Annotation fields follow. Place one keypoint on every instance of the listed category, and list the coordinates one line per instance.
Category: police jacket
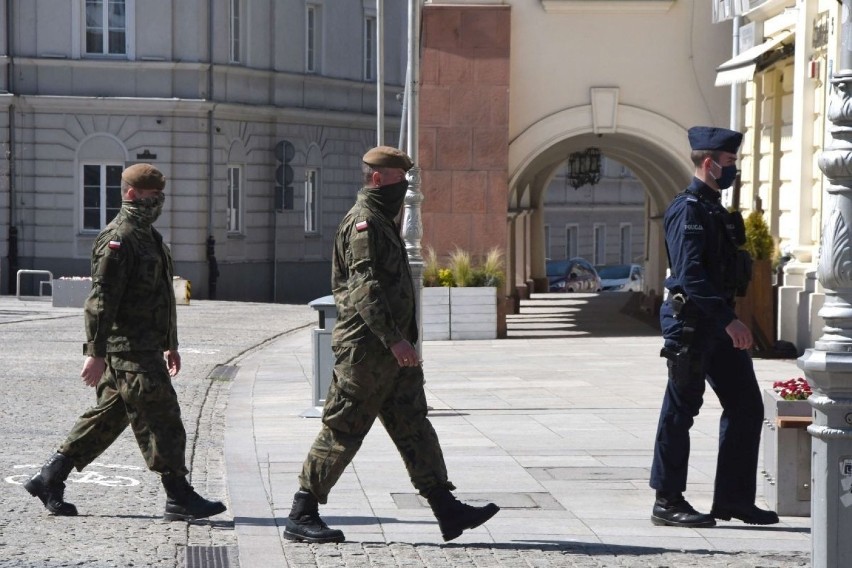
(700, 253)
(132, 304)
(370, 276)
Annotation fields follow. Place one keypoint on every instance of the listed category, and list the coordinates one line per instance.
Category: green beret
(387, 157)
(144, 176)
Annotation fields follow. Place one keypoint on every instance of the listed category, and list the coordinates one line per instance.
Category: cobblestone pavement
(119, 500)
(121, 503)
(363, 555)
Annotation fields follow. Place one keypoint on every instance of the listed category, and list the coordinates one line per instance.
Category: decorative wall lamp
(584, 168)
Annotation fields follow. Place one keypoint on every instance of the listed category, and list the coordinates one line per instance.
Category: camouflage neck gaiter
(144, 211)
(387, 199)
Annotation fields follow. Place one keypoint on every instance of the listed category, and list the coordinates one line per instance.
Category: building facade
(779, 80)
(603, 223)
(257, 112)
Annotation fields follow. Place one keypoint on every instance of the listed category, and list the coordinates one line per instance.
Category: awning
(741, 68)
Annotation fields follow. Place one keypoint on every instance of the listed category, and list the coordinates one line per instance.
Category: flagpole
(380, 73)
(412, 224)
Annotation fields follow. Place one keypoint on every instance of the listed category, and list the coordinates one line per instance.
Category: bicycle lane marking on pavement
(91, 476)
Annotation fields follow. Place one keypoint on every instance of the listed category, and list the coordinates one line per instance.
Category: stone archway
(651, 145)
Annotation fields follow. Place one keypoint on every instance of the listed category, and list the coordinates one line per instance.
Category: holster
(684, 364)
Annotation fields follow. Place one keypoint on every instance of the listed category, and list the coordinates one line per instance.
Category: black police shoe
(675, 511)
(750, 514)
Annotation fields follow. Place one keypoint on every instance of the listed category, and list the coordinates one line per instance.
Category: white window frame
(313, 38)
(312, 181)
(599, 244)
(370, 48)
(547, 241)
(572, 246)
(78, 31)
(81, 46)
(234, 205)
(626, 244)
(236, 15)
(102, 194)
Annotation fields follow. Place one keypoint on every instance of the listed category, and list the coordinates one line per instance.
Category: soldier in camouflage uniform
(377, 370)
(130, 323)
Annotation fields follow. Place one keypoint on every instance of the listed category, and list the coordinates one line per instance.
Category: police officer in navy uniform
(704, 341)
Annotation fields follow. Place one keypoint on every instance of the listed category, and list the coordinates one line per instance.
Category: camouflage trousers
(368, 383)
(136, 390)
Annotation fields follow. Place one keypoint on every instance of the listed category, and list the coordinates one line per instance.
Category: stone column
(828, 366)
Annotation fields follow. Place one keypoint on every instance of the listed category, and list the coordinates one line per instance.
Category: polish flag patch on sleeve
(361, 226)
(114, 245)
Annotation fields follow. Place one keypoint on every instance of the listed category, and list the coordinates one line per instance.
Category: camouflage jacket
(370, 277)
(132, 304)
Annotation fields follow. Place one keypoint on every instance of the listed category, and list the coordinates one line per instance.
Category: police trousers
(730, 373)
(367, 383)
(136, 390)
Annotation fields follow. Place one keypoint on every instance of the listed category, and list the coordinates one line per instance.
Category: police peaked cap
(714, 139)
(387, 157)
(144, 176)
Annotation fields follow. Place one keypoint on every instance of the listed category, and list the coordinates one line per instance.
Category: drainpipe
(212, 265)
(736, 93)
(736, 103)
(828, 366)
(12, 254)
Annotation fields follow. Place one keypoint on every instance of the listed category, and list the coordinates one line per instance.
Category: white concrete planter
(459, 313)
(473, 313)
(435, 313)
(786, 455)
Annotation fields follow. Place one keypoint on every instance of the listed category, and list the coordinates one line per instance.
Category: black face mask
(727, 177)
(388, 198)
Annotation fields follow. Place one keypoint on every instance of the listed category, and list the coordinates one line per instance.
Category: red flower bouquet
(793, 389)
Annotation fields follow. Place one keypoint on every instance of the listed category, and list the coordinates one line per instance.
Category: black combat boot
(455, 517)
(184, 504)
(305, 524)
(49, 485)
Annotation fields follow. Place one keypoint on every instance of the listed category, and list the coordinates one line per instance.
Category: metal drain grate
(223, 373)
(209, 556)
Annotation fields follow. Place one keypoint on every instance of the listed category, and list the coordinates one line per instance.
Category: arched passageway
(652, 146)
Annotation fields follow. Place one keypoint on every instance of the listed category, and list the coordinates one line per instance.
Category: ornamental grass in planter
(463, 294)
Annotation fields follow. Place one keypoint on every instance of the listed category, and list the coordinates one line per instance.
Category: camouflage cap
(387, 157)
(144, 176)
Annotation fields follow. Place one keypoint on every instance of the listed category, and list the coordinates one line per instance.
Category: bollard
(323, 364)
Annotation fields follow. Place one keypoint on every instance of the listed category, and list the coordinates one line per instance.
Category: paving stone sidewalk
(484, 394)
